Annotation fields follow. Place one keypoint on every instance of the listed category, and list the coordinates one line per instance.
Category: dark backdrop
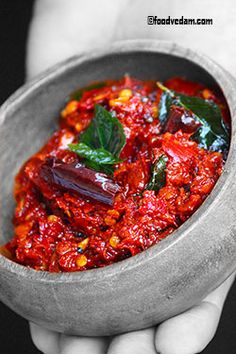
(14, 334)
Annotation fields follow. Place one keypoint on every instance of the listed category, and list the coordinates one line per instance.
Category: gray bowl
(156, 284)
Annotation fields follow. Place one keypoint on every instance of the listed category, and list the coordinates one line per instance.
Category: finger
(218, 296)
(46, 341)
(82, 345)
(62, 28)
(138, 342)
(190, 332)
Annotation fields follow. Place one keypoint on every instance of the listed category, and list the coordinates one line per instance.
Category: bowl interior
(31, 117)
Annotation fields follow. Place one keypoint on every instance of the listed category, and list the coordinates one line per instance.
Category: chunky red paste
(60, 230)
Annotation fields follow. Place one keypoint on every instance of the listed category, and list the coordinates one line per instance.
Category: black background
(14, 333)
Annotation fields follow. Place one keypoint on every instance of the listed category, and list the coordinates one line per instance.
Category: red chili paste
(60, 228)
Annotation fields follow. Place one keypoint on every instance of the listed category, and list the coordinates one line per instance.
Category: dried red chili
(79, 179)
(157, 179)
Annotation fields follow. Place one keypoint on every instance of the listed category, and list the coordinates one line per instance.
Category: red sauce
(59, 230)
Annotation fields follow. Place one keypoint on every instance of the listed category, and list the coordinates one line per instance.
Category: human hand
(60, 29)
(187, 333)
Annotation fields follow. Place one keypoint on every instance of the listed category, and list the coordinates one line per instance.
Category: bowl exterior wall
(150, 287)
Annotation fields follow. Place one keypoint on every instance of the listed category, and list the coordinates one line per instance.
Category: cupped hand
(187, 333)
(59, 29)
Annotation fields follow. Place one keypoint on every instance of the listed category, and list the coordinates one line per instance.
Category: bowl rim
(224, 81)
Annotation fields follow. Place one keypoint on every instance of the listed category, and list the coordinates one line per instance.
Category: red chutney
(60, 231)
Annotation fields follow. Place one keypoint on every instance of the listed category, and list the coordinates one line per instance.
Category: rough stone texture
(152, 286)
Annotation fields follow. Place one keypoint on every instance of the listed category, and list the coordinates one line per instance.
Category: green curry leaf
(212, 134)
(158, 176)
(101, 143)
(107, 169)
(100, 155)
(105, 131)
(164, 107)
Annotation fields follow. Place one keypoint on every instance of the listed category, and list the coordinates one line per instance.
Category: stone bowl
(160, 282)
